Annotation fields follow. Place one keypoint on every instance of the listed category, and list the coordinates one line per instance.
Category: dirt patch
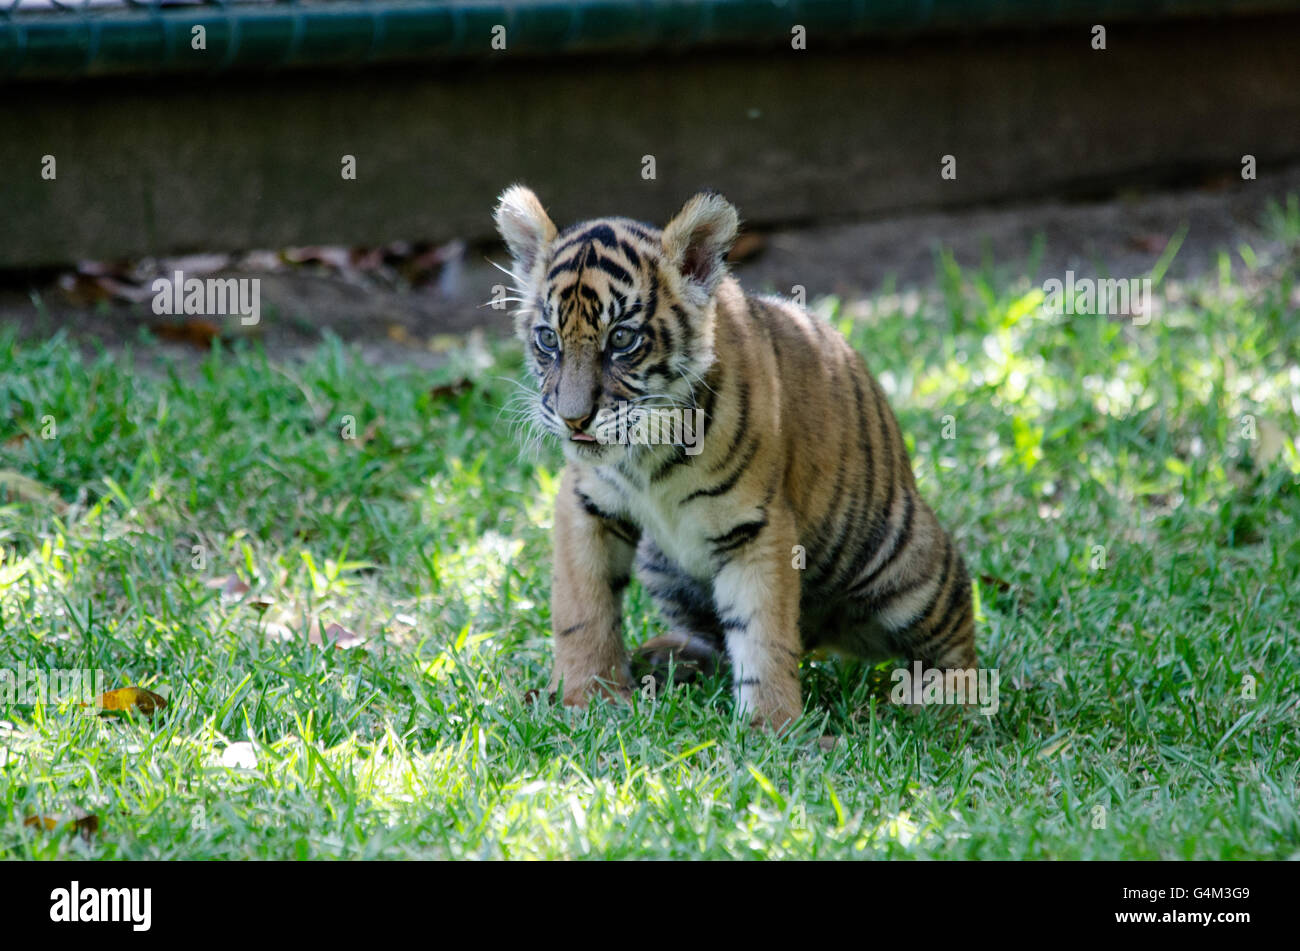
(392, 320)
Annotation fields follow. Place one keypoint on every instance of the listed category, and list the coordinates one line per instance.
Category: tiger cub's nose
(578, 423)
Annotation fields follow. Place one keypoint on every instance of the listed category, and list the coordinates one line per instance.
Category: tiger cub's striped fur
(800, 448)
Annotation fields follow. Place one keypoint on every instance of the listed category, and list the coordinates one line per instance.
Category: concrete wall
(169, 166)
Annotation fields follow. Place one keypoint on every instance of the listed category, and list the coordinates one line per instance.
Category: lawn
(1128, 497)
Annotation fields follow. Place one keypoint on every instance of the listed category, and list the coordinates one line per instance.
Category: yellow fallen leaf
(125, 699)
(82, 821)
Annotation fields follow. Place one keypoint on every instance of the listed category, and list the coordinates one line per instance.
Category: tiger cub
(793, 523)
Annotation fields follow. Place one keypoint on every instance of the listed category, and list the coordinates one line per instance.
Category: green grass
(1121, 686)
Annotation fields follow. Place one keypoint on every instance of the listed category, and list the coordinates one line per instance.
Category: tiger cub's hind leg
(694, 645)
(943, 633)
(917, 593)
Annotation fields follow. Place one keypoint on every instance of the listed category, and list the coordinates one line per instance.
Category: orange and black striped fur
(800, 454)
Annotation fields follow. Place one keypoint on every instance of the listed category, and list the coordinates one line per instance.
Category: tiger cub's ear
(525, 226)
(696, 242)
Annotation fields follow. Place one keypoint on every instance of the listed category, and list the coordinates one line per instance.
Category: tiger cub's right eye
(547, 339)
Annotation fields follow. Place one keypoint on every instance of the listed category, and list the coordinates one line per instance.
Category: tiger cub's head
(614, 314)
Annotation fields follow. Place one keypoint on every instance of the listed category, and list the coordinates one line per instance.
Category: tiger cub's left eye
(623, 338)
(547, 339)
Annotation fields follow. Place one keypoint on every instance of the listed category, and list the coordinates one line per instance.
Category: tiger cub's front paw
(583, 691)
(771, 710)
(778, 721)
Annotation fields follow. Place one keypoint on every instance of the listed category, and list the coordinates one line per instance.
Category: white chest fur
(681, 529)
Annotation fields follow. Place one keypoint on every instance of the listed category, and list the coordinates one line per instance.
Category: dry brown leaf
(193, 265)
(1150, 243)
(82, 822)
(339, 258)
(367, 259)
(994, 582)
(234, 587)
(234, 590)
(424, 266)
(194, 331)
(343, 638)
(261, 261)
(96, 281)
(82, 290)
(123, 291)
(450, 390)
(118, 269)
(290, 628)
